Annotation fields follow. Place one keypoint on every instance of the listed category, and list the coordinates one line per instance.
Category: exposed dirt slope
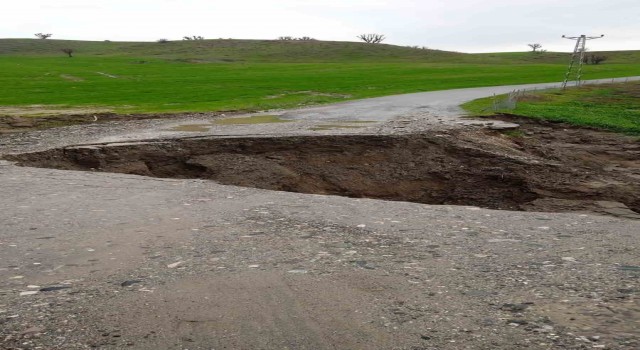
(544, 166)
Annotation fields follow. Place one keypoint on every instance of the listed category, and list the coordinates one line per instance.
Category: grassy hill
(230, 50)
(213, 75)
(220, 50)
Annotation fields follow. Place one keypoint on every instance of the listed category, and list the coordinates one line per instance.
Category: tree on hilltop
(371, 38)
(43, 36)
(534, 47)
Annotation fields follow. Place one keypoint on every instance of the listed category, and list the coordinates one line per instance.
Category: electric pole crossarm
(577, 57)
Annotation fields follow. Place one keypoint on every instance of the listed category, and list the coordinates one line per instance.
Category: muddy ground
(19, 124)
(102, 259)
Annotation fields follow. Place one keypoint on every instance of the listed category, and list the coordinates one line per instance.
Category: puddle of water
(629, 268)
(355, 121)
(256, 119)
(323, 127)
(192, 127)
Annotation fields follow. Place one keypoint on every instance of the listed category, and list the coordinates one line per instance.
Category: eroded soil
(540, 167)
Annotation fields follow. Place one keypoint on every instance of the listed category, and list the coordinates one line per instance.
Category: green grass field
(614, 107)
(223, 75)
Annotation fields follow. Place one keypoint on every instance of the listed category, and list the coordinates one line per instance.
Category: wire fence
(509, 102)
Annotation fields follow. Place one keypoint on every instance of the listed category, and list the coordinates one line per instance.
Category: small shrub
(162, 41)
(597, 59)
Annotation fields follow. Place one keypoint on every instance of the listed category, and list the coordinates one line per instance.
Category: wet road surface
(441, 103)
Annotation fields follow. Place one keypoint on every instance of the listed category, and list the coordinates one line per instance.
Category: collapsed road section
(541, 167)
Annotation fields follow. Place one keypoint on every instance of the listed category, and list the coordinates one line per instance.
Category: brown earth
(540, 167)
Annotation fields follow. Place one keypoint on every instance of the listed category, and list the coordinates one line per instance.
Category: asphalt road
(146, 263)
(441, 103)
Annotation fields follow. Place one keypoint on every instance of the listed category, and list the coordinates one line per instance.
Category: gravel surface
(116, 261)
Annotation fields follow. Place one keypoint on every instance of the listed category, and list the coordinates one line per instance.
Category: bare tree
(43, 36)
(285, 38)
(305, 38)
(193, 37)
(534, 47)
(162, 40)
(371, 38)
(68, 52)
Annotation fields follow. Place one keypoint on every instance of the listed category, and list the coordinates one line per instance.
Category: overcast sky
(458, 25)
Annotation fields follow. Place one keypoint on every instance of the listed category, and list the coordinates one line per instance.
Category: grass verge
(613, 107)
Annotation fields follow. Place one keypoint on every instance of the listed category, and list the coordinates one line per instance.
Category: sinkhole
(452, 168)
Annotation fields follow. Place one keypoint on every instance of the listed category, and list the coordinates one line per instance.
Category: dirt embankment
(542, 166)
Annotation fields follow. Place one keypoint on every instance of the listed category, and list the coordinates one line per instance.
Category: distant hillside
(231, 50)
(622, 57)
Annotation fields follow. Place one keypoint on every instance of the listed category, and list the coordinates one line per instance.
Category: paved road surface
(441, 103)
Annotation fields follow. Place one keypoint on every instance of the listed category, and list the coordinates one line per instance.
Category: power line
(578, 55)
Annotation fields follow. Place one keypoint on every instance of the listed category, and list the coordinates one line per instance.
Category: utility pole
(577, 57)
